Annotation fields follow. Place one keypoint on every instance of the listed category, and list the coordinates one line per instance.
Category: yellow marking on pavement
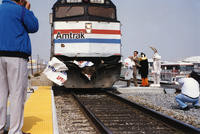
(38, 112)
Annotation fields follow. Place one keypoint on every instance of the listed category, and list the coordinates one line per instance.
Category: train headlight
(62, 45)
(97, 1)
(88, 27)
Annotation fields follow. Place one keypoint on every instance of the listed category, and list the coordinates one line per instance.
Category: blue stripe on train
(114, 41)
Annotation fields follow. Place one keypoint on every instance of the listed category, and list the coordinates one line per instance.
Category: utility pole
(31, 65)
(37, 63)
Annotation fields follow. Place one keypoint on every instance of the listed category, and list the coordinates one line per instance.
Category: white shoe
(155, 85)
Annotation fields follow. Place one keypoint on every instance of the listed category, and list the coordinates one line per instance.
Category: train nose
(96, 76)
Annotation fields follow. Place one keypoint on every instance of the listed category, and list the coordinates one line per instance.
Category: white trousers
(156, 78)
(128, 74)
(13, 83)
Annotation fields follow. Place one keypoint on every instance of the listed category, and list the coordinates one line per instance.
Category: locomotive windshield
(69, 11)
(64, 10)
(102, 12)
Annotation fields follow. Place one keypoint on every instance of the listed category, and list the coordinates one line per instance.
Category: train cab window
(62, 12)
(102, 12)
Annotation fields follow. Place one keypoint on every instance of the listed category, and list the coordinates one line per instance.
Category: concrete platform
(155, 90)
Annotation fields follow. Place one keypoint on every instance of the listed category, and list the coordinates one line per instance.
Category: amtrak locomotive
(86, 36)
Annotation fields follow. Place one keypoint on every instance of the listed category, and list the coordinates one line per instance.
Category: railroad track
(71, 119)
(115, 115)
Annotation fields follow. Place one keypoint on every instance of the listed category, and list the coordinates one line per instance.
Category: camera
(23, 2)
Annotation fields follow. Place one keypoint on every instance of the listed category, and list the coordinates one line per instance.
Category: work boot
(185, 109)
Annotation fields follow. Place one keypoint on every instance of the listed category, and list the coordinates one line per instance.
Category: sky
(171, 26)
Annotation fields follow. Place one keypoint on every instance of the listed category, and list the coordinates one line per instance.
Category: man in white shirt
(189, 92)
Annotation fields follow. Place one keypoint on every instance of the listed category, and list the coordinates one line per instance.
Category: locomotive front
(86, 36)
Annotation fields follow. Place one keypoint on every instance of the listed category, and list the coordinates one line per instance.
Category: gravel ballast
(166, 104)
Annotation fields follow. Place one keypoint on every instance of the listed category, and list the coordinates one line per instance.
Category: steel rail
(186, 128)
(102, 128)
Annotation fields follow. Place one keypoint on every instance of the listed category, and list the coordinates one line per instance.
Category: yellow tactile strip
(38, 112)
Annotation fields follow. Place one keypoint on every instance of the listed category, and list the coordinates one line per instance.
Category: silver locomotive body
(86, 36)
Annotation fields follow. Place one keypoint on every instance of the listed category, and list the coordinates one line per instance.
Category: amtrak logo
(70, 35)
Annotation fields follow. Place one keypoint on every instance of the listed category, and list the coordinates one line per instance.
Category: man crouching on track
(16, 21)
(189, 92)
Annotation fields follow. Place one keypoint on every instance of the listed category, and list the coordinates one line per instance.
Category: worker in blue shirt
(16, 22)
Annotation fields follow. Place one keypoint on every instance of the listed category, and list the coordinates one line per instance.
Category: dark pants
(135, 76)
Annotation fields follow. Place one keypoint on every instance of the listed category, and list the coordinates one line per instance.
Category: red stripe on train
(94, 31)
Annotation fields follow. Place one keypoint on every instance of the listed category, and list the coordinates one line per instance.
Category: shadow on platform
(29, 122)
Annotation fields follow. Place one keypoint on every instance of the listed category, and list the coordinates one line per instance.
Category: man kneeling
(189, 92)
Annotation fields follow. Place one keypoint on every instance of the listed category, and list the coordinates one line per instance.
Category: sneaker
(196, 107)
(185, 109)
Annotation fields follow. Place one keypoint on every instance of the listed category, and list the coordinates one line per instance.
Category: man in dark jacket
(16, 21)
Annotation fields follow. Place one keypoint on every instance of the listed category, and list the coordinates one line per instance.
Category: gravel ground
(165, 103)
(40, 81)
